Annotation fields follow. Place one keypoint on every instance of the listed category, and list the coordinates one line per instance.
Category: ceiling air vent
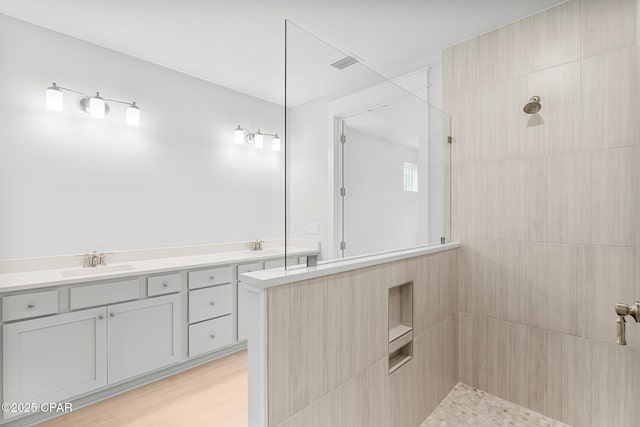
(345, 62)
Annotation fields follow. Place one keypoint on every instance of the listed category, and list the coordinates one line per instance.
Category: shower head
(533, 106)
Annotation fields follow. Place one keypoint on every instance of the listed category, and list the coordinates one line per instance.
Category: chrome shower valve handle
(623, 310)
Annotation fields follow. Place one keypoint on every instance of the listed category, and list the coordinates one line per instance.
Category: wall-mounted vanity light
(245, 136)
(96, 106)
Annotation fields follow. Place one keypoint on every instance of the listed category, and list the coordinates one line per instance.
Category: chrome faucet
(623, 310)
(256, 245)
(94, 259)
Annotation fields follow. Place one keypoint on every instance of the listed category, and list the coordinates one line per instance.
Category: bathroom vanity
(82, 334)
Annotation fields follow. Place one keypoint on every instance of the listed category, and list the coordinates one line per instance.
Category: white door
(144, 336)
(55, 358)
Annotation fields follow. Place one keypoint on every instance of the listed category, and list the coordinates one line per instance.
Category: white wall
(70, 183)
(379, 215)
(308, 165)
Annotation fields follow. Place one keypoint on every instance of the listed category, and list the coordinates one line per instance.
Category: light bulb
(133, 115)
(239, 135)
(54, 98)
(97, 107)
(275, 143)
(258, 140)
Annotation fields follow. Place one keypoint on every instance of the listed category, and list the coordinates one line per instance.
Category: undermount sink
(265, 252)
(91, 271)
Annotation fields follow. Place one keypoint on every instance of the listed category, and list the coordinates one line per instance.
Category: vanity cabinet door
(53, 359)
(144, 335)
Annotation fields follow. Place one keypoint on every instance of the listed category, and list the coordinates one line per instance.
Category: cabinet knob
(212, 303)
(31, 306)
(213, 336)
(101, 317)
(212, 277)
(165, 285)
(112, 314)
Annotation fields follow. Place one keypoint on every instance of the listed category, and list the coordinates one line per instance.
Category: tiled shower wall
(546, 207)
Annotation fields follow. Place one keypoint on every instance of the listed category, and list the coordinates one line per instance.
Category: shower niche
(400, 325)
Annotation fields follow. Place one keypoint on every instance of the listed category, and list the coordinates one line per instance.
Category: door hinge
(450, 140)
(343, 246)
(343, 191)
(343, 138)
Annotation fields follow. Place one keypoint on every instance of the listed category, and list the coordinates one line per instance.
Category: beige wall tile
(552, 287)
(403, 395)
(370, 329)
(511, 121)
(609, 111)
(537, 368)
(555, 129)
(511, 281)
(328, 346)
(473, 63)
(615, 193)
(338, 332)
(554, 36)
(615, 386)
(607, 25)
(472, 350)
(476, 217)
(475, 128)
(434, 286)
(610, 276)
(296, 378)
(507, 201)
(569, 390)
(507, 354)
(559, 198)
(512, 44)
(478, 276)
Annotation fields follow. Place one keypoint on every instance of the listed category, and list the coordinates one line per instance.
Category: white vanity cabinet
(68, 341)
(54, 358)
(143, 336)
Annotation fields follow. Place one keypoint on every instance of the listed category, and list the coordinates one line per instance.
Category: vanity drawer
(209, 303)
(209, 277)
(107, 293)
(210, 335)
(248, 268)
(29, 305)
(160, 285)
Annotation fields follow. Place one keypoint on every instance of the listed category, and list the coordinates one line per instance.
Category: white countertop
(54, 277)
(279, 276)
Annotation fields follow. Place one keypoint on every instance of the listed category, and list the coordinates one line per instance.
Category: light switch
(313, 228)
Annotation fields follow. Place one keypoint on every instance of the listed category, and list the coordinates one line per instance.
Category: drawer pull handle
(212, 303)
(213, 336)
(112, 314)
(212, 277)
(31, 306)
(165, 285)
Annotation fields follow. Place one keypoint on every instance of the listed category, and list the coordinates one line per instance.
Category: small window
(410, 174)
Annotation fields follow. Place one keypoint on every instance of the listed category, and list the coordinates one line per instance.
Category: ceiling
(239, 43)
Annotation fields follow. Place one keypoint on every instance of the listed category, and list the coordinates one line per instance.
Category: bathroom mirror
(368, 158)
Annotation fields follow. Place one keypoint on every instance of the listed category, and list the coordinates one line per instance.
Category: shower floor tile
(469, 406)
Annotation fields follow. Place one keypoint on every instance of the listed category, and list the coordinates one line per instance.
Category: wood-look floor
(211, 395)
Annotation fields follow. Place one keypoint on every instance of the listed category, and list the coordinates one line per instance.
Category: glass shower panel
(366, 157)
